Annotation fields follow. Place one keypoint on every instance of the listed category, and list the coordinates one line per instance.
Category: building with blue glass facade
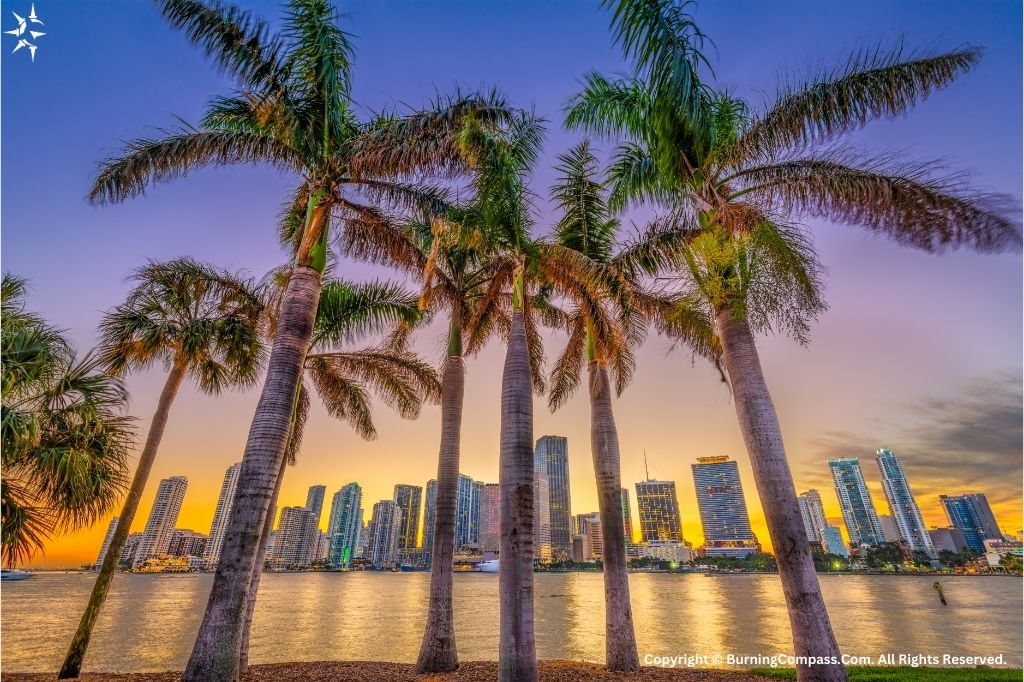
(723, 511)
(344, 525)
(971, 514)
(859, 514)
(902, 505)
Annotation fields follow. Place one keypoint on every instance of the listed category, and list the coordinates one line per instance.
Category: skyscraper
(467, 513)
(383, 532)
(162, 518)
(834, 542)
(813, 514)
(627, 516)
(723, 511)
(346, 519)
(106, 543)
(315, 502)
(186, 542)
(589, 526)
(902, 504)
(541, 506)
(553, 452)
(226, 500)
(971, 513)
(408, 499)
(296, 538)
(854, 499)
(490, 508)
(890, 531)
(429, 510)
(658, 508)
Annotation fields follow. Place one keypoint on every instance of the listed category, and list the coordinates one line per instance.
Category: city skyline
(927, 351)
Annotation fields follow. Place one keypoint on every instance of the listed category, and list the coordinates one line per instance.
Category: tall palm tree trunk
(215, 655)
(620, 640)
(517, 655)
(80, 643)
(808, 618)
(257, 572)
(438, 653)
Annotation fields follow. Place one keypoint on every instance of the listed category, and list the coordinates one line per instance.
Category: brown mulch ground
(476, 671)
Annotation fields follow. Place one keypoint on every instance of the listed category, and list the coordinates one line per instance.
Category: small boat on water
(407, 568)
(14, 574)
(490, 566)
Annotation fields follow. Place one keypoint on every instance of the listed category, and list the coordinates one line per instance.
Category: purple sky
(920, 353)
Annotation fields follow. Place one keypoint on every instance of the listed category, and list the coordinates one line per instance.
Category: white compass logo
(23, 28)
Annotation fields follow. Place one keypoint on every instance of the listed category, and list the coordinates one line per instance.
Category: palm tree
(200, 323)
(736, 180)
(604, 338)
(65, 438)
(344, 379)
(291, 111)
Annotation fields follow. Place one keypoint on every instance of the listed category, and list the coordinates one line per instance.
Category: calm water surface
(150, 621)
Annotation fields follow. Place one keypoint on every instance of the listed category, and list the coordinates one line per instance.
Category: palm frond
(567, 371)
(348, 312)
(584, 224)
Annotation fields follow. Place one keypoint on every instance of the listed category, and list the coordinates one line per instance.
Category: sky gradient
(918, 353)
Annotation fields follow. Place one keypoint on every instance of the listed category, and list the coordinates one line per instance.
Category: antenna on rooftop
(647, 474)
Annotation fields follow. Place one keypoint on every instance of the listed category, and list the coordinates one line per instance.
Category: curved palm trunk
(438, 652)
(80, 643)
(812, 632)
(218, 645)
(517, 655)
(620, 640)
(257, 572)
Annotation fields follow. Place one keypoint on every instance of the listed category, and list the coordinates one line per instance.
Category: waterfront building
(658, 509)
(552, 454)
(855, 501)
(362, 546)
(834, 542)
(186, 542)
(315, 502)
(723, 511)
(131, 545)
(813, 513)
(948, 539)
(106, 544)
(902, 504)
(295, 542)
(383, 532)
(627, 516)
(408, 499)
(890, 531)
(429, 510)
(589, 526)
(668, 551)
(971, 513)
(162, 518)
(997, 549)
(344, 524)
(467, 516)
(541, 506)
(490, 510)
(225, 502)
(581, 551)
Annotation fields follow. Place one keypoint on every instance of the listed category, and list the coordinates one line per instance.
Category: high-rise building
(490, 510)
(834, 542)
(408, 498)
(890, 531)
(467, 516)
(162, 518)
(315, 502)
(107, 539)
(723, 511)
(296, 539)
(552, 452)
(972, 514)
(589, 526)
(902, 504)
(541, 506)
(186, 542)
(383, 532)
(658, 509)
(854, 499)
(344, 524)
(429, 512)
(131, 545)
(627, 516)
(225, 502)
(813, 514)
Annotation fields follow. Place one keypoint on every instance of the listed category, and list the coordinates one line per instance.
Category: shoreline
(714, 573)
(550, 671)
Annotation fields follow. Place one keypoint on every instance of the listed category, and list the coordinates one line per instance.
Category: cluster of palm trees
(442, 194)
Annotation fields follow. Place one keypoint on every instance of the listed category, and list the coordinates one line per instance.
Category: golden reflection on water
(150, 622)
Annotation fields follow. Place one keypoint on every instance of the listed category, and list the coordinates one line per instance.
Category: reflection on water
(150, 621)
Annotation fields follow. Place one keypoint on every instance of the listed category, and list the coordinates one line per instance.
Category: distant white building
(385, 527)
(225, 502)
(107, 539)
(668, 550)
(162, 518)
(813, 513)
(902, 503)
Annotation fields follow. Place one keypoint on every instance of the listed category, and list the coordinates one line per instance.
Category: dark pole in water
(938, 588)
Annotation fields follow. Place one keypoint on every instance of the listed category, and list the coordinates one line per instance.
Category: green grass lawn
(883, 674)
